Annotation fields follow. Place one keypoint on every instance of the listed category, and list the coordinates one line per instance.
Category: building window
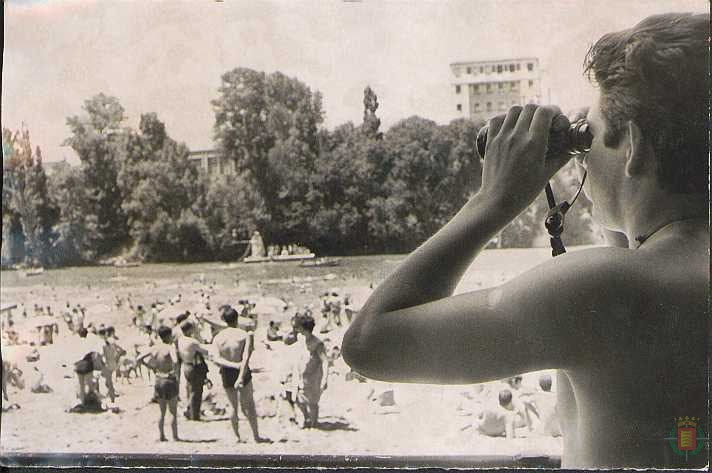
(482, 69)
(499, 68)
(459, 107)
(514, 85)
(477, 106)
(476, 88)
(511, 68)
(530, 66)
(457, 89)
(489, 87)
(519, 66)
(489, 106)
(469, 70)
(212, 165)
(531, 83)
(500, 86)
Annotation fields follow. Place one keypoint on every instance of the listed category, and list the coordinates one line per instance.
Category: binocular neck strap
(554, 221)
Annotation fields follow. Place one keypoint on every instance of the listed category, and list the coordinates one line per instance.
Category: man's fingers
(511, 119)
(525, 118)
(494, 126)
(541, 123)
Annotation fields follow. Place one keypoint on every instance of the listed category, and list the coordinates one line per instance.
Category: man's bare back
(619, 402)
(188, 347)
(230, 343)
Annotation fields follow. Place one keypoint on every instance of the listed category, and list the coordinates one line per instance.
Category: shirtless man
(545, 402)
(111, 353)
(626, 327)
(192, 357)
(231, 350)
(163, 359)
(499, 420)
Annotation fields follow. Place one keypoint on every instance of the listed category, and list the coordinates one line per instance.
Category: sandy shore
(425, 420)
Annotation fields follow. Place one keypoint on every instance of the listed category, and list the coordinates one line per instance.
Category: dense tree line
(351, 190)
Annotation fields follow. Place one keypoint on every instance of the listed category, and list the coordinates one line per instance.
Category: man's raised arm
(411, 330)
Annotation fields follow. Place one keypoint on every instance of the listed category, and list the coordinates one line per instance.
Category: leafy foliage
(351, 190)
(26, 196)
(97, 137)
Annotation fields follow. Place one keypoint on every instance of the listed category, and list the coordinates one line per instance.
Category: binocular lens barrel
(576, 139)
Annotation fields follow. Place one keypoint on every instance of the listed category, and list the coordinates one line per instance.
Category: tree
(97, 137)
(25, 188)
(268, 124)
(370, 121)
(77, 227)
(160, 189)
(433, 171)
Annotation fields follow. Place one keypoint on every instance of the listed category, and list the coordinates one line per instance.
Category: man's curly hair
(656, 74)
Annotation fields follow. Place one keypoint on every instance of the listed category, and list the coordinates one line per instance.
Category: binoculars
(573, 140)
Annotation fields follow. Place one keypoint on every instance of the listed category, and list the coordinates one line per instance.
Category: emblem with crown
(687, 438)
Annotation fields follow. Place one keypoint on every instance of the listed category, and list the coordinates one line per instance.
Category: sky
(167, 56)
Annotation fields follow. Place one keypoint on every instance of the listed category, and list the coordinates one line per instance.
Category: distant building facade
(212, 163)
(53, 167)
(482, 89)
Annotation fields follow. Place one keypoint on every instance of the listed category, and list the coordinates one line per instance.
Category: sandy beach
(424, 420)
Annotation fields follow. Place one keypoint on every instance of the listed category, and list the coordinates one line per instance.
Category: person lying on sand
(163, 360)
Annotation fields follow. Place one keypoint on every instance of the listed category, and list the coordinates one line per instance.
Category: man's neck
(650, 216)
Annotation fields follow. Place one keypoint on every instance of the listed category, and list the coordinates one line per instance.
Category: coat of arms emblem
(687, 438)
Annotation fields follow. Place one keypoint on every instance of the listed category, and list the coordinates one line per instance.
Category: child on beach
(163, 360)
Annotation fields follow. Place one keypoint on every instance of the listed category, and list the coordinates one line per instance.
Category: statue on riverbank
(257, 245)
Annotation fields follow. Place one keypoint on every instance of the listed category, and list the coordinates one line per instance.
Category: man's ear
(636, 158)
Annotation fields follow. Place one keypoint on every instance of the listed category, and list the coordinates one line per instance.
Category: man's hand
(516, 169)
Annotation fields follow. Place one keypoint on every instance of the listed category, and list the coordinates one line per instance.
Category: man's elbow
(368, 357)
(350, 349)
(356, 354)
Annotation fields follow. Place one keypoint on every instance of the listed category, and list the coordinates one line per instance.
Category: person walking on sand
(163, 359)
(231, 349)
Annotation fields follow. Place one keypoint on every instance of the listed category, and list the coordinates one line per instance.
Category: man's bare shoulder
(229, 334)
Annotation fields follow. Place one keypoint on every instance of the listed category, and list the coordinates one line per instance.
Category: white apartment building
(482, 89)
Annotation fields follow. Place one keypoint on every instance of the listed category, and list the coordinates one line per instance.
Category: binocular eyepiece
(574, 139)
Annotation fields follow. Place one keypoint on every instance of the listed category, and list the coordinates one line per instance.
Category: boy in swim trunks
(231, 350)
(164, 362)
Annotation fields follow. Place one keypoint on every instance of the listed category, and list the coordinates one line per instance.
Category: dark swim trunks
(229, 376)
(166, 388)
(86, 364)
